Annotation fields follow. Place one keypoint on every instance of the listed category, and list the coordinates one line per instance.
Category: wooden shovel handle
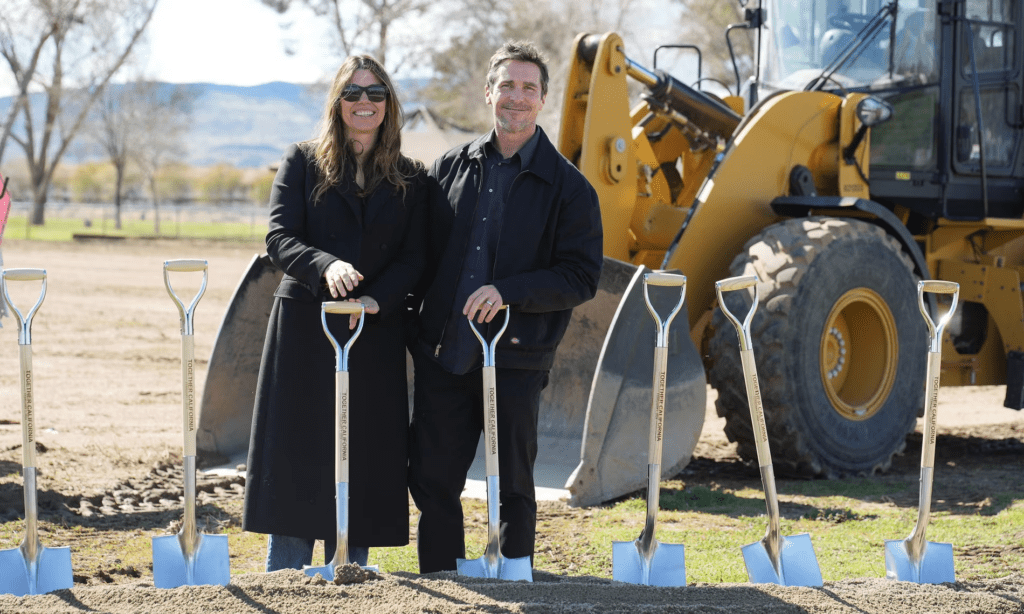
(664, 279)
(343, 307)
(936, 286)
(737, 283)
(185, 265)
(24, 274)
(490, 421)
(188, 393)
(28, 412)
(341, 429)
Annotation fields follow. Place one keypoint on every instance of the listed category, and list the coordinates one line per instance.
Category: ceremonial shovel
(189, 558)
(341, 450)
(646, 560)
(31, 569)
(775, 559)
(913, 559)
(492, 564)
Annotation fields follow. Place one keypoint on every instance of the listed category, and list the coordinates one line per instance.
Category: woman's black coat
(290, 482)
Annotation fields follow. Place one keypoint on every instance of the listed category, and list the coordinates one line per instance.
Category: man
(520, 227)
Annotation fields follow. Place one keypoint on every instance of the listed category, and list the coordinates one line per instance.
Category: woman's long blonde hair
(334, 155)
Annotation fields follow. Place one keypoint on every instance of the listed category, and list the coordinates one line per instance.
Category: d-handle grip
(489, 347)
(736, 283)
(185, 266)
(664, 279)
(24, 274)
(739, 283)
(936, 286)
(343, 307)
(24, 320)
(935, 329)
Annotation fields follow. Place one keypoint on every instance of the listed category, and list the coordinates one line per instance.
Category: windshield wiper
(856, 48)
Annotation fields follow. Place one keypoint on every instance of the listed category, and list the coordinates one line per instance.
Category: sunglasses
(375, 93)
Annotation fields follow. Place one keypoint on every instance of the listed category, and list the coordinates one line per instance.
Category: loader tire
(839, 343)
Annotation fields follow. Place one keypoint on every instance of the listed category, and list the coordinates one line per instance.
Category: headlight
(873, 111)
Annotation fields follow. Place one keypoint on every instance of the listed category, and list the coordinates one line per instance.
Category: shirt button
(472, 276)
(477, 248)
(490, 189)
(485, 219)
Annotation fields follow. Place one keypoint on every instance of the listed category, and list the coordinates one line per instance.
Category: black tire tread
(780, 256)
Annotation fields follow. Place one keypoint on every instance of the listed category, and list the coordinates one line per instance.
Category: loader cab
(942, 64)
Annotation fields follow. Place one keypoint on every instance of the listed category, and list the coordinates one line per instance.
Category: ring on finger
(489, 303)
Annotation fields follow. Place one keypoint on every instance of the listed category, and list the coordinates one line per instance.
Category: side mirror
(871, 111)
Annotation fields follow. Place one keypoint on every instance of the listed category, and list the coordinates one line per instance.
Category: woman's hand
(341, 278)
(369, 306)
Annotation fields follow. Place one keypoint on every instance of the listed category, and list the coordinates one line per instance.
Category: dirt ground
(106, 347)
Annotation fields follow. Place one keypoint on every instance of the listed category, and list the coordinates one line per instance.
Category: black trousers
(446, 427)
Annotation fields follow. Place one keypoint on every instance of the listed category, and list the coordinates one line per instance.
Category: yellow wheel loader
(878, 143)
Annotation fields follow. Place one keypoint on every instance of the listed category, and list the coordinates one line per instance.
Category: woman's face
(363, 115)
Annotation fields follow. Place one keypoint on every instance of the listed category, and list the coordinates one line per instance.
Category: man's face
(515, 97)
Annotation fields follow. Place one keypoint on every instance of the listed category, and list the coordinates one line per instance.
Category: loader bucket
(225, 415)
(613, 458)
(591, 430)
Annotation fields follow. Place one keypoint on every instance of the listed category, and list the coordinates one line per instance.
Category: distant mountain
(248, 127)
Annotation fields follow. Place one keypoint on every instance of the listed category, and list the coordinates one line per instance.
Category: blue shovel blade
(508, 569)
(53, 571)
(798, 561)
(210, 563)
(667, 567)
(935, 567)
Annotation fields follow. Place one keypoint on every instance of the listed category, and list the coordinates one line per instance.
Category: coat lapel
(377, 201)
(348, 195)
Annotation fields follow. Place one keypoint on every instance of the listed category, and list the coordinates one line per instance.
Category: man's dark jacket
(547, 261)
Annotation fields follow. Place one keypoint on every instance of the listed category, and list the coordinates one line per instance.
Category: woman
(347, 223)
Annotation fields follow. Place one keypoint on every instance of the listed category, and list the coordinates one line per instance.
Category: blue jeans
(286, 552)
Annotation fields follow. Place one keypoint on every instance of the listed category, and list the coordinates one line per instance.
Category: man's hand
(341, 278)
(369, 306)
(486, 300)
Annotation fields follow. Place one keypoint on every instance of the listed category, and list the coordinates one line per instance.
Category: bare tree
(25, 27)
(90, 41)
(367, 25)
(704, 24)
(141, 121)
(165, 113)
(457, 90)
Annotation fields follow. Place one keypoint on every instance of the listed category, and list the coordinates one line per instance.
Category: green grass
(713, 524)
(62, 229)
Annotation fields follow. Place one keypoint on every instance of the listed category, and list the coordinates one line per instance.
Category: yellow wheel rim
(859, 350)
